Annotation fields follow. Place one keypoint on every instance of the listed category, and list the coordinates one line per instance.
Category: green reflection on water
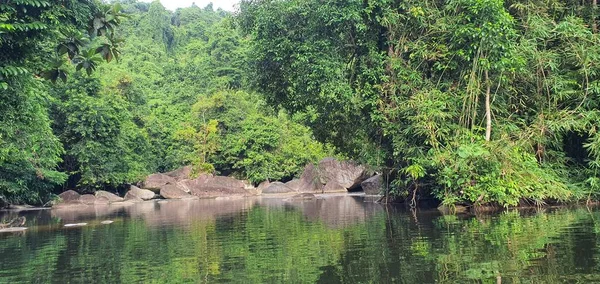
(282, 245)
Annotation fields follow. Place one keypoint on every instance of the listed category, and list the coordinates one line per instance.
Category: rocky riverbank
(328, 176)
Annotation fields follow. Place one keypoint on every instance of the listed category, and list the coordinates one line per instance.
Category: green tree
(491, 101)
(36, 39)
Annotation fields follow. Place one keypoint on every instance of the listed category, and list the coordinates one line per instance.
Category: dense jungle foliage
(469, 101)
(472, 101)
(97, 95)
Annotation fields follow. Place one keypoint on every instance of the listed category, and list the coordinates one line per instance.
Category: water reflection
(329, 240)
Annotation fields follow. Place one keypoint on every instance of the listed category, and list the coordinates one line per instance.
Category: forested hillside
(100, 109)
(468, 101)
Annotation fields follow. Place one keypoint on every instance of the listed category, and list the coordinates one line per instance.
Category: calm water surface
(331, 240)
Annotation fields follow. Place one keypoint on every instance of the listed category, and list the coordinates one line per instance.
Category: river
(334, 239)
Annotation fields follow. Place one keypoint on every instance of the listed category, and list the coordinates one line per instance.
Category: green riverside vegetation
(466, 101)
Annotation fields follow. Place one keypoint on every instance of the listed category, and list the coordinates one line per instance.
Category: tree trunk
(594, 11)
(488, 110)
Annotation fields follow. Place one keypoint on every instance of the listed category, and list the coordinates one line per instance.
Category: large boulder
(334, 186)
(129, 196)
(102, 200)
(188, 184)
(262, 186)
(277, 187)
(333, 173)
(70, 196)
(310, 181)
(88, 199)
(217, 186)
(373, 185)
(171, 191)
(110, 196)
(294, 184)
(143, 194)
(181, 173)
(346, 173)
(155, 182)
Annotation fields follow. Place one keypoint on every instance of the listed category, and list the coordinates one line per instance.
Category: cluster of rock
(329, 175)
(179, 185)
(101, 197)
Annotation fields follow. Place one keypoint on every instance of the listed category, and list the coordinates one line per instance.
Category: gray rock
(171, 191)
(334, 186)
(294, 184)
(143, 194)
(373, 185)
(155, 182)
(110, 196)
(88, 199)
(346, 173)
(188, 184)
(215, 186)
(310, 181)
(70, 196)
(277, 187)
(181, 173)
(102, 200)
(263, 185)
(129, 196)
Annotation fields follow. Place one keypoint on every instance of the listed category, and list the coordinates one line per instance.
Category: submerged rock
(75, 225)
